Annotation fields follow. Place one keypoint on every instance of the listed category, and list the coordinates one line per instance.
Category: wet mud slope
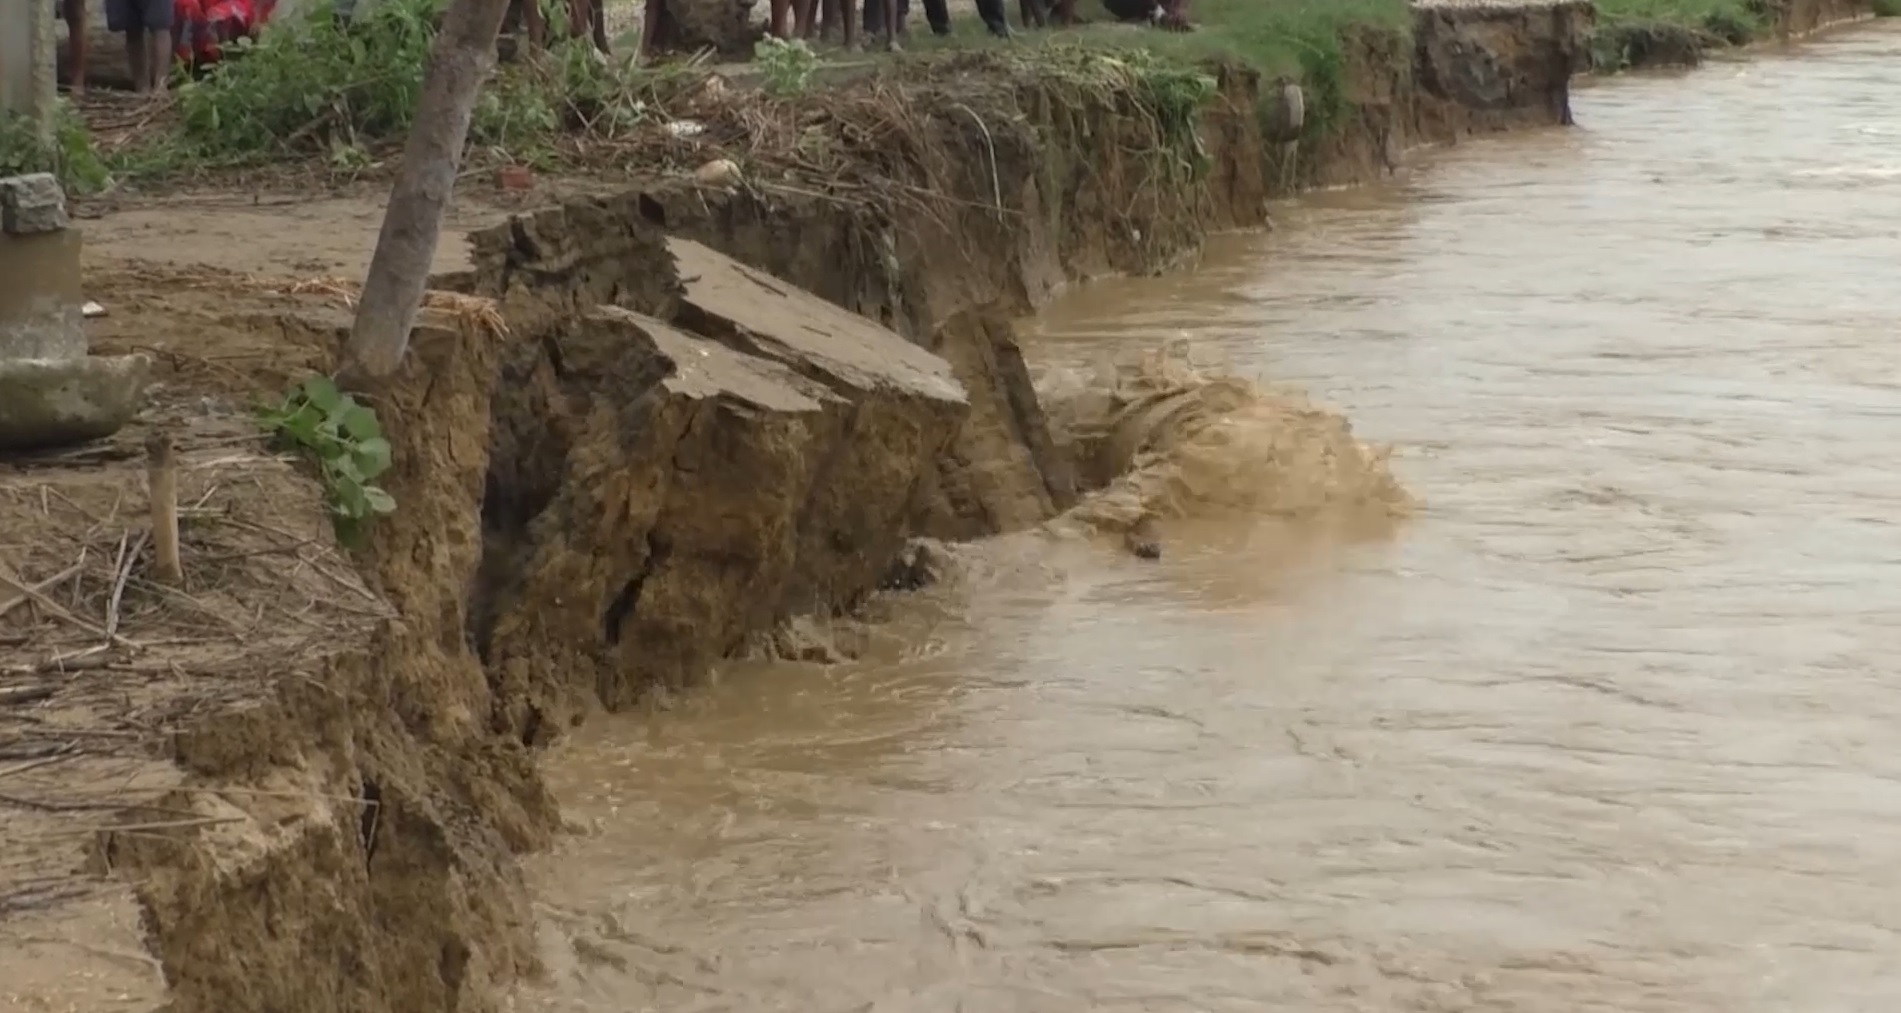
(646, 426)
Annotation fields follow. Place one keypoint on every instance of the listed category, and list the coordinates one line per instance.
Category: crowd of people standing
(194, 33)
(160, 32)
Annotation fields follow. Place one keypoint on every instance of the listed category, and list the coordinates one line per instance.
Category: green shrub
(345, 441)
(69, 154)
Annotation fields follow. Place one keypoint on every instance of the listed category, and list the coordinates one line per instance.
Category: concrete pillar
(28, 60)
(52, 393)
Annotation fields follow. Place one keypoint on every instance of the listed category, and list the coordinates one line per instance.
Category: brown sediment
(1157, 437)
(661, 454)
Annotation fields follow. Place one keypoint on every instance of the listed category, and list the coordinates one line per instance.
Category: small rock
(91, 310)
(1142, 540)
(718, 172)
(32, 204)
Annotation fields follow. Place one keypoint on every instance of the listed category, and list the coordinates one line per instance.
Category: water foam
(1158, 435)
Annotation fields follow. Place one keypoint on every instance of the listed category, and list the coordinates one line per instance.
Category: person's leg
(532, 22)
(123, 18)
(650, 30)
(937, 12)
(597, 18)
(893, 23)
(76, 44)
(1131, 10)
(135, 52)
(994, 18)
(158, 42)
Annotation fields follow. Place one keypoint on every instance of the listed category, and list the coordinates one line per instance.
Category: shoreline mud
(649, 422)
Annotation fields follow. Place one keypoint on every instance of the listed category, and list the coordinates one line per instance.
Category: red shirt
(204, 26)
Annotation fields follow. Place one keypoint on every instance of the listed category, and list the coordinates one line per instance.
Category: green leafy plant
(68, 153)
(345, 440)
(313, 82)
(1887, 8)
(346, 92)
(786, 67)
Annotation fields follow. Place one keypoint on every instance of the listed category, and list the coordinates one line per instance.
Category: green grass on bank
(312, 93)
(1635, 33)
(68, 153)
(1738, 20)
(1298, 39)
(1276, 36)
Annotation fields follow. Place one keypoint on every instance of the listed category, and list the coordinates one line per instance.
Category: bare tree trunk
(461, 59)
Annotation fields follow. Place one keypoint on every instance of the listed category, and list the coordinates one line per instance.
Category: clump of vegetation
(1635, 33)
(1171, 93)
(1887, 8)
(67, 154)
(785, 66)
(345, 441)
(312, 82)
(314, 85)
(1304, 40)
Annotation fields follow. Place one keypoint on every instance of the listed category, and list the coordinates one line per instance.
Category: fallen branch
(13, 696)
(122, 570)
(19, 599)
(59, 611)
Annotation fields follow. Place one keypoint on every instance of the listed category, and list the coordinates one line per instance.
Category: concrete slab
(58, 402)
(41, 309)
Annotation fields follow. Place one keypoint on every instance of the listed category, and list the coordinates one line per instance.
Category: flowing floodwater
(1611, 724)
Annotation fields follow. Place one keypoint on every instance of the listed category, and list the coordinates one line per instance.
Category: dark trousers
(937, 12)
(1131, 10)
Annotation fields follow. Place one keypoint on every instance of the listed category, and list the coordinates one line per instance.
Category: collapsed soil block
(656, 495)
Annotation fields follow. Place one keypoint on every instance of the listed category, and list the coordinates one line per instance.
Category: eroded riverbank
(1602, 730)
(351, 817)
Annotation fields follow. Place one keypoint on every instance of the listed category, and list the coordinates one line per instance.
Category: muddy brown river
(1614, 723)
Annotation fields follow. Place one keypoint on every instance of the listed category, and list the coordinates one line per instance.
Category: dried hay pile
(102, 664)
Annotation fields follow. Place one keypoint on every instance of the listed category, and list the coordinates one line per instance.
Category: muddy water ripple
(1610, 725)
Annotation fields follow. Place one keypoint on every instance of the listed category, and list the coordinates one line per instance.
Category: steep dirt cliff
(657, 452)
(1017, 184)
(317, 791)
